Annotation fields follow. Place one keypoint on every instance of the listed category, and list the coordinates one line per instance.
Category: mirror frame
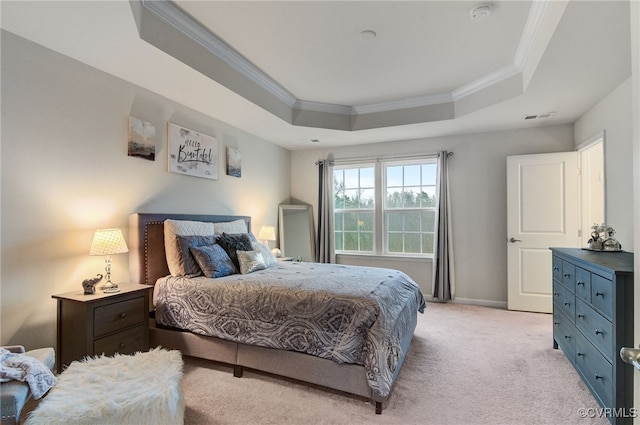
(282, 209)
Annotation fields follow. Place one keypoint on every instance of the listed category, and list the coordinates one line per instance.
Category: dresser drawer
(120, 315)
(126, 342)
(596, 370)
(569, 275)
(602, 294)
(596, 327)
(583, 284)
(557, 268)
(565, 300)
(564, 334)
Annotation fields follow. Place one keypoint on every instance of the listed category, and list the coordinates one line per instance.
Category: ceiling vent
(539, 116)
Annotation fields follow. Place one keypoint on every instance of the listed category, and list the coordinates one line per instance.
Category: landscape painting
(234, 162)
(142, 139)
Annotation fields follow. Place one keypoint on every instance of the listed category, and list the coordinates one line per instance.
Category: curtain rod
(385, 158)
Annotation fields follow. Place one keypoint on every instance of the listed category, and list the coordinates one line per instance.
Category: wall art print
(142, 139)
(192, 153)
(234, 162)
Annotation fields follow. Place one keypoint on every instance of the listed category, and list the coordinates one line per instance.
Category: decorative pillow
(213, 261)
(267, 255)
(250, 261)
(189, 264)
(236, 226)
(172, 228)
(232, 242)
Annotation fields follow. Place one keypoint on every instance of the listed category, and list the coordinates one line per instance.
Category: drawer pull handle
(567, 275)
(599, 294)
(599, 377)
(555, 294)
(580, 316)
(555, 269)
(122, 345)
(123, 315)
(579, 282)
(599, 332)
(567, 337)
(580, 354)
(567, 304)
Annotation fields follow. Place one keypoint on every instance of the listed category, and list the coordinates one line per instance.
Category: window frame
(380, 211)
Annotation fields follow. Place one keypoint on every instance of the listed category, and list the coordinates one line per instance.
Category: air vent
(539, 116)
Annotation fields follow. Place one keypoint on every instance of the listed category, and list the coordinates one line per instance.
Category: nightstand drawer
(597, 371)
(120, 315)
(596, 327)
(602, 293)
(127, 342)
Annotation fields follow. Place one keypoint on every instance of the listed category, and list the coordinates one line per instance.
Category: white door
(542, 212)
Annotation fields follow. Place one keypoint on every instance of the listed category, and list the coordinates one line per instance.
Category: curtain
(324, 242)
(443, 274)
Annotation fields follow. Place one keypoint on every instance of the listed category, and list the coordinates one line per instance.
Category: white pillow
(173, 228)
(237, 226)
(267, 255)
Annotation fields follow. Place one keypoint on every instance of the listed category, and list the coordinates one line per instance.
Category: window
(385, 208)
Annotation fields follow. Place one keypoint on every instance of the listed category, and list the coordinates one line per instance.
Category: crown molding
(173, 15)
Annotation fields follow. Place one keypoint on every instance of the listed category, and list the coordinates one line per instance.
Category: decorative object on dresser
(89, 285)
(90, 325)
(108, 242)
(602, 238)
(593, 320)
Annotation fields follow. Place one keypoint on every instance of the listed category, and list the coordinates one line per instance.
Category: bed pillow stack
(194, 248)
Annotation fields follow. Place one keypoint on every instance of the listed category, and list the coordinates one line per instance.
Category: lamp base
(110, 288)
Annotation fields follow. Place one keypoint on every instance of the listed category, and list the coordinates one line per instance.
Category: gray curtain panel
(324, 242)
(443, 273)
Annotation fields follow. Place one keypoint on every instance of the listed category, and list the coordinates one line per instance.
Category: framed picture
(234, 162)
(142, 139)
(192, 153)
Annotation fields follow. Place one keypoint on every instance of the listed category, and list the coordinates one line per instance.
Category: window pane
(394, 221)
(428, 220)
(412, 221)
(367, 177)
(350, 241)
(366, 222)
(412, 243)
(395, 242)
(367, 198)
(428, 196)
(394, 176)
(351, 198)
(394, 198)
(351, 178)
(427, 243)
(411, 197)
(350, 222)
(412, 175)
(366, 241)
(337, 221)
(338, 241)
(429, 173)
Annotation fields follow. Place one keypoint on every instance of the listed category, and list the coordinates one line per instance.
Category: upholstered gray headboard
(147, 259)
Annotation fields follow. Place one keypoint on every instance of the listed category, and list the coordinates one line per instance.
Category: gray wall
(478, 185)
(65, 173)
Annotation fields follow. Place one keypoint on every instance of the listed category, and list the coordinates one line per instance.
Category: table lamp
(267, 233)
(108, 242)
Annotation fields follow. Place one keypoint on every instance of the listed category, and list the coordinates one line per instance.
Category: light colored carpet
(467, 365)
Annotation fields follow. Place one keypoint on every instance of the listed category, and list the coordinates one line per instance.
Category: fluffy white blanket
(145, 388)
(22, 367)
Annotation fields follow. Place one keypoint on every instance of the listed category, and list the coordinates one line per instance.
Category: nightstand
(100, 323)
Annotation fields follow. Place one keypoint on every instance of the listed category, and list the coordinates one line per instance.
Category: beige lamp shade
(108, 242)
(267, 233)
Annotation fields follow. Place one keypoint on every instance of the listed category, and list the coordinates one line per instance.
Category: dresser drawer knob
(123, 315)
(122, 345)
(556, 323)
(599, 377)
(567, 337)
(580, 354)
(599, 294)
(580, 316)
(555, 294)
(599, 332)
(567, 275)
(579, 282)
(555, 269)
(567, 304)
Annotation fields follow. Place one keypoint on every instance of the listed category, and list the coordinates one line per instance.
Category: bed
(341, 327)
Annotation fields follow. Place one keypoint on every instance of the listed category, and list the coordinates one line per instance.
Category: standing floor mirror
(296, 232)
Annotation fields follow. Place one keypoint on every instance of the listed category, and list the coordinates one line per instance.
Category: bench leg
(237, 371)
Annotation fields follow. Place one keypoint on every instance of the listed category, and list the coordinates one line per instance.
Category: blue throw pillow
(213, 261)
(184, 243)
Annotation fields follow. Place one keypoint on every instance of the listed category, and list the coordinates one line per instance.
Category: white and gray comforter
(344, 313)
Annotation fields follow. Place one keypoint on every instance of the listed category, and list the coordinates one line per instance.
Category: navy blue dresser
(593, 319)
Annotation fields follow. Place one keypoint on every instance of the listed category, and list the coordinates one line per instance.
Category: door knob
(514, 240)
(631, 356)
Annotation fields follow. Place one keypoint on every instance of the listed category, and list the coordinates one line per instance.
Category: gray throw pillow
(213, 261)
(250, 261)
(232, 242)
(184, 243)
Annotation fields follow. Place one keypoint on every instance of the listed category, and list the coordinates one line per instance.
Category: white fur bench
(145, 388)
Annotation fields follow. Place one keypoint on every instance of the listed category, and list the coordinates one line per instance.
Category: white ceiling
(526, 58)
